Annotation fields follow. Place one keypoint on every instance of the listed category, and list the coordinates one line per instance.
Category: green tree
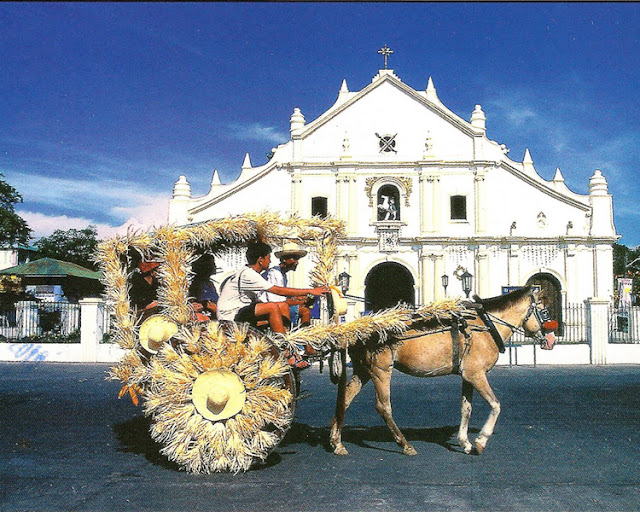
(74, 245)
(13, 228)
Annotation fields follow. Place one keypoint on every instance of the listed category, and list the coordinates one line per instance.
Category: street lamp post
(445, 283)
(343, 281)
(467, 282)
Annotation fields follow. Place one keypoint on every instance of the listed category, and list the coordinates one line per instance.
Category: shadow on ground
(134, 437)
(301, 433)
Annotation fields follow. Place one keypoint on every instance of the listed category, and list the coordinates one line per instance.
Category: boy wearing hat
(277, 275)
(239, 292)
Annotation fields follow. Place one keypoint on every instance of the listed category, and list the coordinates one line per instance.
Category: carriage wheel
(224, 403)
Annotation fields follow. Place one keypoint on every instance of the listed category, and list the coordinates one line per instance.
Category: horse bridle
(542, 316)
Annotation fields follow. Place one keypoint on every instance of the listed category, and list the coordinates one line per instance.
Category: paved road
(567, 439)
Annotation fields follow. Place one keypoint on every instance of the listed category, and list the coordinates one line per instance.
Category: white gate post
(91, 328)
(598, 329)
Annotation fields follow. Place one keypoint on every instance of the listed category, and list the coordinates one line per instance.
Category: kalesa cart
(221, 397)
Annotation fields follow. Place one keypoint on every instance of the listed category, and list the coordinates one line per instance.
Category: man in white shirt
(239, 293)
(277, 275)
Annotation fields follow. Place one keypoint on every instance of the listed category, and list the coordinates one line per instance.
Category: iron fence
(624, 324)
(32, 321)
(572, 327)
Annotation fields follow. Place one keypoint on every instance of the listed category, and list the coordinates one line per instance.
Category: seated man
(144, 287)
(277, 275)
(202, 289)
(239, 292)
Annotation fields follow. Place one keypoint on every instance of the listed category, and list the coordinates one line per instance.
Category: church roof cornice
(343, 104)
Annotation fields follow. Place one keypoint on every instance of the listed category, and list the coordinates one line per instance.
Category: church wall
(272, 195)
(535, 213)
(384, 111)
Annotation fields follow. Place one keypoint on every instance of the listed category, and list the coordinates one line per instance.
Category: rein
(538, 336)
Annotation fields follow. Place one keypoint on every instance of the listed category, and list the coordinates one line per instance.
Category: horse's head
(539, 326)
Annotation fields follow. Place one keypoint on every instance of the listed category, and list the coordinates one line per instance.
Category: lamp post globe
(467, 282)
(343, 280)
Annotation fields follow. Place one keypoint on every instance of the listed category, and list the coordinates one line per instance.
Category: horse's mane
(503, 301)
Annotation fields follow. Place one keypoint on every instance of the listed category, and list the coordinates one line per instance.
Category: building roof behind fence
(49, 267)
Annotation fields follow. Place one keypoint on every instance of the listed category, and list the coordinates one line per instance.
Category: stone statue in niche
(388, 203)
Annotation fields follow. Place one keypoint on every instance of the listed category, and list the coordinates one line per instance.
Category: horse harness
(460, 326)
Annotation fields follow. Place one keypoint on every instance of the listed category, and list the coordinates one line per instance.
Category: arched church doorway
(549, 295)
(387, 284)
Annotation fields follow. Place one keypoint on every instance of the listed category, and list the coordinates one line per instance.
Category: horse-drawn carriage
(221, 396)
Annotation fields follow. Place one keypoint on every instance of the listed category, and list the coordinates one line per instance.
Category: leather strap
(492, 329)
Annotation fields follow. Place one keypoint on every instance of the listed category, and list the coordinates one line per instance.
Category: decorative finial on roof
(527, 161)
(297, 122)
(598, 184)
(478, 119)
(247, 162)
(215, 180)
(182, 188)
(385, 51)
(558, 176)
(344, 92)
(431, 91)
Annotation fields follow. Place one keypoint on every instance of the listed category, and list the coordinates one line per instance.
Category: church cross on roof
(385, 51)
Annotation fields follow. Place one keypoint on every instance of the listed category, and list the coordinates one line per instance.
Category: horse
(469, 346)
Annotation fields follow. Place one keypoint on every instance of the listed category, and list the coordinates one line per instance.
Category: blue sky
(103, 106)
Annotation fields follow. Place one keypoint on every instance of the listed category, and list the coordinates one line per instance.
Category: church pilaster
(429, 203)
(480, 201)
(484, 285)
(352, 224)
(513, 265)
(296, 191)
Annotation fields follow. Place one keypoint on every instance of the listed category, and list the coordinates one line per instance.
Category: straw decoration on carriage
(245, 427)
(222, 398)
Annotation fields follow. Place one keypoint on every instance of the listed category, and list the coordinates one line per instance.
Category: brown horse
(432, 351)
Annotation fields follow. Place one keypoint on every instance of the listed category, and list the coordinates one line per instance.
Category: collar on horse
(488, 320)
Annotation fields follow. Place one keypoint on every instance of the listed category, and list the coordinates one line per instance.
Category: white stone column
(603, 276)
(91, 328)
(296, 192)
(426, 203)
(598, 329)
(428, 281)
(514, 266)
(571, 272)
(480, 202)
(422, 266)
(352, 224)
(436, 205)
(341, 198)
(438, 270)
(483, 285)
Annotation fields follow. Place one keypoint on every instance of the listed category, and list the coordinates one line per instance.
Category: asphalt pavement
(567, 439)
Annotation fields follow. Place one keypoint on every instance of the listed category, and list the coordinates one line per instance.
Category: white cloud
(257, 131)
(149, 213)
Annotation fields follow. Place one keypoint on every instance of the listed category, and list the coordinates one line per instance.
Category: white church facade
(424, 194)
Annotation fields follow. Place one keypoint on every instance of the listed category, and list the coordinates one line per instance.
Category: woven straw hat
(218, 394)
(155, 331)
(290, 250)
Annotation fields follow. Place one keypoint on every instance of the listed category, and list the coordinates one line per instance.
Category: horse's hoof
(479, 448)
(467, 447)
(340, 450)
(409, 450)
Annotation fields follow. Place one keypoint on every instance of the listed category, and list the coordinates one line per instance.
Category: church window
(319, 207)
(388, 203)
(458, 208)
